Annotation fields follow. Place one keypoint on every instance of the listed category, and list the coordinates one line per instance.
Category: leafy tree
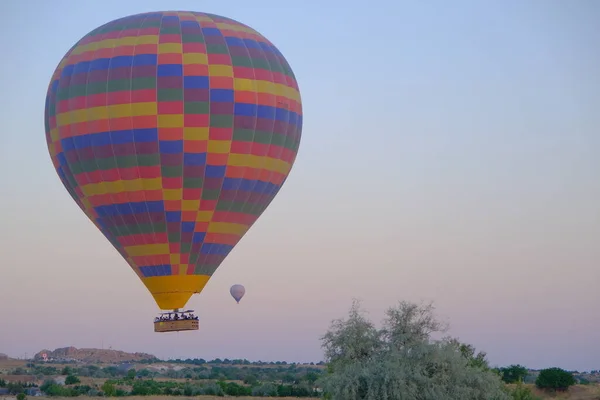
(401, 361)
(265, 390)
(251, 380)
(15, 387)
(213, 389)
(131, 374)
(513, 373)
(21, 396)
(145, 373)
(554, 379)
(108, 389)
(583, 381)
(66, 371)
(71, 380)
(311, 377)
(474, 358)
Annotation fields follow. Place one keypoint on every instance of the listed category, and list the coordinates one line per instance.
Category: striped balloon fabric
(173, 131)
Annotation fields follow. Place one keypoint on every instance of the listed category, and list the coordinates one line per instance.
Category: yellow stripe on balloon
(120, 186)
(103, 112)
(252, 161)
(111, 43)
(227, 228)
(147, 250)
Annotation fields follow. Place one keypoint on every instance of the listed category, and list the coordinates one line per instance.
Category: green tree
(131, 374)
(554, 379)
(66, 371)
(21, 396)
(108, 389)
(311, 377)
(251, 380)
(513, 373)
(474, 358)
(401, 360)
(71, 380)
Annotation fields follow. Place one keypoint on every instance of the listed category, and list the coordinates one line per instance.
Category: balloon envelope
(237, 292)
(173, 131)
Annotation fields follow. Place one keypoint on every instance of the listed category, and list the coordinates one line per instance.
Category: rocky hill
(92, 355)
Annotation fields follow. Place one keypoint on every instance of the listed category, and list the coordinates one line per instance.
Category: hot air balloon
(237, 292)
(173, 132)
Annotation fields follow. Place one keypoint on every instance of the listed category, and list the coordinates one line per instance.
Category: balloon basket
(176, 326)
(175, 321)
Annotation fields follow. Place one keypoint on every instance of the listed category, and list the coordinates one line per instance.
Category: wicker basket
(175, 326)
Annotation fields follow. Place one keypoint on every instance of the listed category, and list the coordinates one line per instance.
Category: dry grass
(169, 398)
(577, 392)
(11, 364)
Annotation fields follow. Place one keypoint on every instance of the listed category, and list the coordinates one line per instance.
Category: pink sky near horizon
(465, 171)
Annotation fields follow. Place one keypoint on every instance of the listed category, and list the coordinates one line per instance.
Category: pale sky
(450, 153)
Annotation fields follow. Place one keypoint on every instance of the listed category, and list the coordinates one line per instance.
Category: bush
(251, 380)
(401, 361)
(71, 380)
(233, 389)
(555, 379)
(21, 396)
(213, 389)
(109, 389)
(513, 373)
(522, 392)
(265, 390)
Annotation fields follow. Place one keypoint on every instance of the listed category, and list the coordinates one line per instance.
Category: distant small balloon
(237, 292)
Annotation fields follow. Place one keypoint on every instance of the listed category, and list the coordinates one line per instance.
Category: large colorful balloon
(237, 292)
(173, 131)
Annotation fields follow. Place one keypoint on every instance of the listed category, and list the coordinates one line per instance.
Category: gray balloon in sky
(237, 292)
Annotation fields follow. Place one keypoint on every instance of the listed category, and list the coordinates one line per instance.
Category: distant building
(4, 392)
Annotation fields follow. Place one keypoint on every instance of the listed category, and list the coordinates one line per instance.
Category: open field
(577, 392)
(167, 398)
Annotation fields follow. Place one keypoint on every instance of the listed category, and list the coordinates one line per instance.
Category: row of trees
(291, 373)
(226, 361)
(149, 387)
(550, 378)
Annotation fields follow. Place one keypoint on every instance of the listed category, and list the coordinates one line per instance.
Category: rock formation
(92, 355)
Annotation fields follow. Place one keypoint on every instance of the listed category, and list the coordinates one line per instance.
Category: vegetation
(402, 361)
(522, 392)
(71, 380)
(555, 379)
(513, 373)
(399, 360)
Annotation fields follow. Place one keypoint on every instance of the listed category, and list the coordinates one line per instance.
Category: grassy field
(577, 392)
(167, 398)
